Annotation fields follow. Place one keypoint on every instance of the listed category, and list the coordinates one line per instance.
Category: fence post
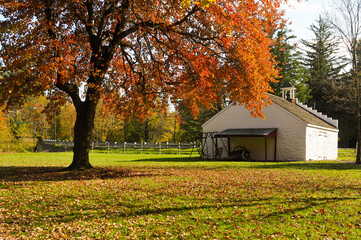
(356, 147)
(178, 148)
(160, 148)
(92, 147)
(135, 147)
(108, 147)
(124, 147)
(141, 148)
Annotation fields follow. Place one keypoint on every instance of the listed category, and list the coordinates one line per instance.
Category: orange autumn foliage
(138, 55)
(176, 49)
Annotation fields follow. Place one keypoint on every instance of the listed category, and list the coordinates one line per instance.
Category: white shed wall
(321, 143)
(291, 139)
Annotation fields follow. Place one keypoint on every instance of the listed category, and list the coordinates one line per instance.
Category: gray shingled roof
(246, 132)
(300, 112)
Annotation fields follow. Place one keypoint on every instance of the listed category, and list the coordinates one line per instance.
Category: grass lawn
(177, 197)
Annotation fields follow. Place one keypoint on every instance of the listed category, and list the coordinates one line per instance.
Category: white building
(290, 132)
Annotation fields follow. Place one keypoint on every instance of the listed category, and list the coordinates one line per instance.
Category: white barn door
(322, 148)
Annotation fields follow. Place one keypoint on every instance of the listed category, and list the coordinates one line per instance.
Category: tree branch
(89, 27)
(71, 89)
(185, 18)
(50, 18)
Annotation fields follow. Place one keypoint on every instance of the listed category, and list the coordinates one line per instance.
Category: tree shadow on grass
(18, 174)
(170, 159)
(130, 210)
(310, 203)
(309, 165)
(114, 214)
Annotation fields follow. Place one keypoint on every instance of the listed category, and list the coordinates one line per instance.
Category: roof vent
(288, 92)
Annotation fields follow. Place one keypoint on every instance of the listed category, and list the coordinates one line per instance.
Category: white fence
(134, 148)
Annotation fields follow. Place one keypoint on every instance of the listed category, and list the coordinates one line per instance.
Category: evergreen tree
(289, 63)
(191, 128)
(325, 67)
(329, 83)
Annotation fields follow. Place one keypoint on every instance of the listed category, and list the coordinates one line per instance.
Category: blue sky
(303, 14)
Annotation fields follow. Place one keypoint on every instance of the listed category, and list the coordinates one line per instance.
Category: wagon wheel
(245, 154)
(238, 149)
(242, 152)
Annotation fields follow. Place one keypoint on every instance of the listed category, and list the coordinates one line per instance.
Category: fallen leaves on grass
(180, 203)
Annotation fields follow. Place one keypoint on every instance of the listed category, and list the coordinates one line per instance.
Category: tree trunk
(83, 130)
(146, 130)
(356, 71)
(358, 112)
(125, 131)
(358, 147)
(358, 160)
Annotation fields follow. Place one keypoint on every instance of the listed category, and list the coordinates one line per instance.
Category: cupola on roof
(288, 91)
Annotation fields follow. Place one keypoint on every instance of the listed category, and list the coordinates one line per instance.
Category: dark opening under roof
(251, 132)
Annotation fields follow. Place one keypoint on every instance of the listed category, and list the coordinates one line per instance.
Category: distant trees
(347, 21)
(320, 73)
(30, 116)
(30, 121)
(66, 122)
(325, 65)
(16, 132)
(32, 113)
(328, 79)
(156, 128)
(5, 133)
(289, 62)
(191, 128)
(111, 126)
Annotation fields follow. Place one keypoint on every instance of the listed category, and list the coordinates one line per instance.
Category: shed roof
(300, 112)
(296, 109)
(288, 85)
(246, 132)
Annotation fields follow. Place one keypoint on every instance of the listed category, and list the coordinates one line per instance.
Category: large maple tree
(136, 55)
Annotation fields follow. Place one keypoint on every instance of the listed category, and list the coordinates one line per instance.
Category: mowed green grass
(177, 197)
